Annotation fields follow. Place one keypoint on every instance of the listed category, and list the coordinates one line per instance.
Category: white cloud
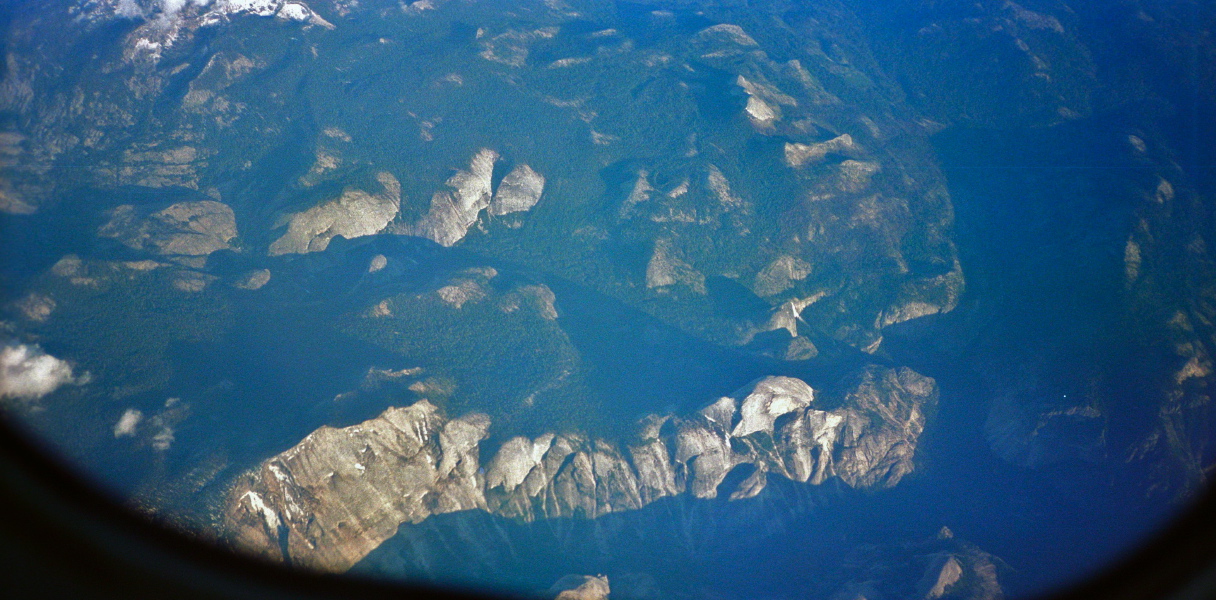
(163, 438)
(128, 422)
(28, 373)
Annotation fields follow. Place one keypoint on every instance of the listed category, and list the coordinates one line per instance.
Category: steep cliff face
(339, 493)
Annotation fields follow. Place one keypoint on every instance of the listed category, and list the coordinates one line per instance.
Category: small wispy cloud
(163, 438)
(29, 373)
(128, 422)
(156, 428)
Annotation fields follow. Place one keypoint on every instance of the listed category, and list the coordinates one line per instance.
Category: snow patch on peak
(294, 12)
(165, 21)
(262, 8)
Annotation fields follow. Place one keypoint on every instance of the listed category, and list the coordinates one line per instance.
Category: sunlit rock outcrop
(339, 493)
(453, 211)
(666, 268)
(764, 101)
(187, 228)
(581, 587)
(780, 275)
(771, 398)
(356, 213)
(511, 47)
(254, 280)
(519, 191)
(797, 155)
(158, 167)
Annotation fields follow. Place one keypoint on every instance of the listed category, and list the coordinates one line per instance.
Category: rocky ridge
(186, 229)
(339, 493)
